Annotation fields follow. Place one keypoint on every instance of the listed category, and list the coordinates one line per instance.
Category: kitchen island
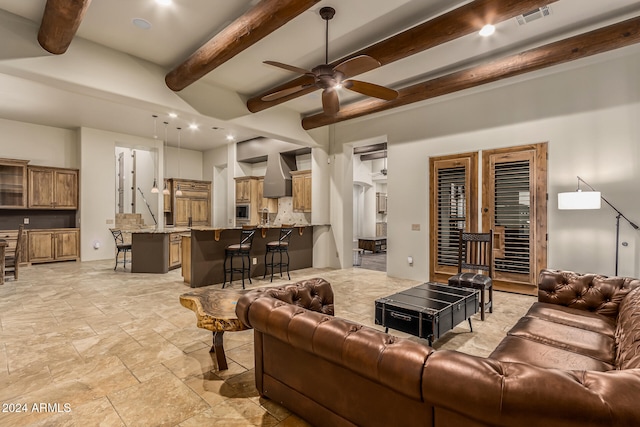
(156, 251)
(207, 245)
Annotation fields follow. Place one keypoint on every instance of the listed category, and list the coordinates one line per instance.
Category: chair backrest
(117, 236)
(285, 233)
(246, 236)
(19, 245)
(475, 252)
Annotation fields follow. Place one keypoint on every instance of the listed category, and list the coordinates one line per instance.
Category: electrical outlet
(415, 227)
(410, 260)
(25, 221)
(255, 260)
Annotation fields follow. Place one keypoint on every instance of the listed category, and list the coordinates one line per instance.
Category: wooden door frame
(469, 160)
(539, 178)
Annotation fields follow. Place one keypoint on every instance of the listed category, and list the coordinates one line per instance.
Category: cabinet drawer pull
(400, 316)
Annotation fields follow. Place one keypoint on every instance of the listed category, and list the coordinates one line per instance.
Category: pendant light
(178, 190)
(166, 191)
(154, 189)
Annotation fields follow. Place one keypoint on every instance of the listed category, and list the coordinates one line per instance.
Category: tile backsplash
(286, 215)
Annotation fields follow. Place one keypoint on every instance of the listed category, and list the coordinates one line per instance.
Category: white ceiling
(180, 28)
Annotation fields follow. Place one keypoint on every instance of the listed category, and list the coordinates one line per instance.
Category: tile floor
(82, 345)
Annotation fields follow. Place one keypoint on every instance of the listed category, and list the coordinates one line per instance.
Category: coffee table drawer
(398, 318)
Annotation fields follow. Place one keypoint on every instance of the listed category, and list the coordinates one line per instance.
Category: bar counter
(207, 245)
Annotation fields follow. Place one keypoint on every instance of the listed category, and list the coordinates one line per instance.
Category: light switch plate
(415, 227)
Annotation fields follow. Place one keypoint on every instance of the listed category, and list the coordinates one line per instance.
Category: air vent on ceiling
(525, 18)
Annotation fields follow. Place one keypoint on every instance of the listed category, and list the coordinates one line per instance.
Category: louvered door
(453, 205)
(514, 207)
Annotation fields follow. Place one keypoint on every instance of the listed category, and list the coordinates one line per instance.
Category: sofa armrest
(516, 394)
(313, 294)
(591, 292)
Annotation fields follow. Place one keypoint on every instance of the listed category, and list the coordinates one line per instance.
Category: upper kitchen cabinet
(13, 183)
(246, 187)
(53, 188)
(271, 205)
(301, 187)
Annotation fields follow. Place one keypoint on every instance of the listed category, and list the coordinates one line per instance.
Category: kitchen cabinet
(301, 188)
(381, 203)
(265, 203)
(13, 183)
(193, 207)
(244, 187)
(62, 244)
(53, 188)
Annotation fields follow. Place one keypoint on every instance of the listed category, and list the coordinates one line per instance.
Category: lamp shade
(579, 200)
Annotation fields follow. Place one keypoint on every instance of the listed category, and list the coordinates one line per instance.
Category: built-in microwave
(243, 212)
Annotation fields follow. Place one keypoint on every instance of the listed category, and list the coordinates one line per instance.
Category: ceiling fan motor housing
(327, 13)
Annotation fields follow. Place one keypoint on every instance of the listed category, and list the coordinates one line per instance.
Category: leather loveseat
(572, 360)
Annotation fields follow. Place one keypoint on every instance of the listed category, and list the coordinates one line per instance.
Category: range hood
(277, 178)
(281, 160)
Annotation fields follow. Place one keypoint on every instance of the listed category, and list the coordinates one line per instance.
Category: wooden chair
(121, 246)
(12, 259)
(475, 253)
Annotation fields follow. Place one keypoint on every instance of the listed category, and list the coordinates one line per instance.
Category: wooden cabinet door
(13, 183)
(243, 191)
(67, 244)
(65, 189)
(297, 184)
(182, 211)
(41, 188)
(199, 211)
(307, 193)
(41, 246)
(175, 250)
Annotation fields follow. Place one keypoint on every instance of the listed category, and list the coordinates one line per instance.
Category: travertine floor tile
(120, 350)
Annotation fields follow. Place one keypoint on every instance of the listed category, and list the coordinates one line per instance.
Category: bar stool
(242, 250)
(280, 246)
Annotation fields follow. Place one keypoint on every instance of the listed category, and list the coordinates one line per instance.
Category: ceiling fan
(329, 78)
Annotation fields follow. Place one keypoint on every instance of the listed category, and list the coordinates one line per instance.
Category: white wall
(589, 115)
(41, 145)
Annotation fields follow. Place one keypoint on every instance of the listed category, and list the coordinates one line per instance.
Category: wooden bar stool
(280, 246)
(242, 250)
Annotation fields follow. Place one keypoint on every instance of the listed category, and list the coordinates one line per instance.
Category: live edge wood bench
(215, 311)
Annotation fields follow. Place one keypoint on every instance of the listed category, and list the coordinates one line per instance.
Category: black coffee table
(428, 310)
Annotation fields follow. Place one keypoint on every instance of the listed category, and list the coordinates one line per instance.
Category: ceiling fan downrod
(327, 14)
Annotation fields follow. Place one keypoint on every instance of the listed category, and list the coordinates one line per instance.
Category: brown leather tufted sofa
(572, 360)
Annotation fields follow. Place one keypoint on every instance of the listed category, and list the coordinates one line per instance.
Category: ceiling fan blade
(288, 90)
(288, 67)
(357, 65)
(330, 102)
(371, 89)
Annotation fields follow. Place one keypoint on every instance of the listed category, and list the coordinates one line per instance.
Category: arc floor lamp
(591, 200)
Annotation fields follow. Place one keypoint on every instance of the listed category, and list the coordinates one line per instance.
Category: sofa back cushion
(590, 292)
(628, 332)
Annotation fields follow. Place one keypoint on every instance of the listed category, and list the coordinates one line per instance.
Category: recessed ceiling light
(487, 30)
(141, 23)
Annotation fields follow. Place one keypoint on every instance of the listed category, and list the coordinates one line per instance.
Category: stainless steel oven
(243, 213)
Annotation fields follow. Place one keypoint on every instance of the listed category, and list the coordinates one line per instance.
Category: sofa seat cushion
(535, 353)
(628, 332)
(573, 317)
(576, 340)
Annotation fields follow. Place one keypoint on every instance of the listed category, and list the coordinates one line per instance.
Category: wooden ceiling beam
(260, 21)
(464, 20)
(60, 22)
(604, 39)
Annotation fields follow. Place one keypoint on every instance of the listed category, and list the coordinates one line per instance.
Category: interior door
(453, 194)
(514, 202)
